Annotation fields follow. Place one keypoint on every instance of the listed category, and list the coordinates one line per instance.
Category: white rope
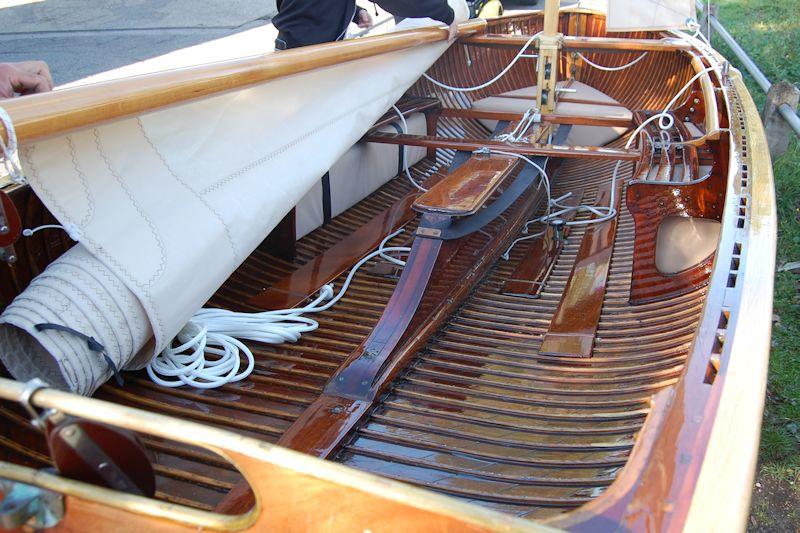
(530, 116)
(493, 80)
(664, 114)
(389, 258)
(545, 180)
(405, 152)
(73, 232)
(611, 69)
(10, 155)
(209, 354)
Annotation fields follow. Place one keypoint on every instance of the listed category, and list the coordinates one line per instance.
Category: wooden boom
(46, 115)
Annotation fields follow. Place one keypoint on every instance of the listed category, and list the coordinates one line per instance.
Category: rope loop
(10, 155)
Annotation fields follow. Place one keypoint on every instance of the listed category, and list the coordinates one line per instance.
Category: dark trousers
(284, 42)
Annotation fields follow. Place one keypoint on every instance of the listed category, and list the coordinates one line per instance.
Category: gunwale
(715, 431)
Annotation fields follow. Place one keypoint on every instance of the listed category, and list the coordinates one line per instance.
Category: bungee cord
(503, 72)
(611, 69)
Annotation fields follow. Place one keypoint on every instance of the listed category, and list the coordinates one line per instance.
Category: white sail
(643, 15)
(172, 202)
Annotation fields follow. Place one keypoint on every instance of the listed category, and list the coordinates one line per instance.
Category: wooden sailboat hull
(577, 406)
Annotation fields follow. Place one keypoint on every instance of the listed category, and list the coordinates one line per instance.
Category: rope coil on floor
(210, 350)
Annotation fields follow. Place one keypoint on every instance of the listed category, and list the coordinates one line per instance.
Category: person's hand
(25, 77)
(452, 32)
(364, 19)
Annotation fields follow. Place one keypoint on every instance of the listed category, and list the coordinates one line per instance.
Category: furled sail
(166, 205)
(642, 15)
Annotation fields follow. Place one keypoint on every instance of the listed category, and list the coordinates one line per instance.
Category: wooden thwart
(610, 121)
(548, 150)
(575, 322)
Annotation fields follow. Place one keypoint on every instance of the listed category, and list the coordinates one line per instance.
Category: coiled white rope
(10, 155)
(611, 69)
(519, 56)
(209, 354)
(405, 152)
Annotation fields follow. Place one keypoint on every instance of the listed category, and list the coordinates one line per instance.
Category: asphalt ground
(79, 38)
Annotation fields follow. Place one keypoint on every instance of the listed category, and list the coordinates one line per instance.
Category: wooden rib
(574, 325)
(464, 191)
(555, 118)
(584, 43)
(547, 150)
(528, 278)
(297, 286)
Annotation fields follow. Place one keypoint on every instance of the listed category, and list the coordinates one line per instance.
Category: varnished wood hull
(659, 422)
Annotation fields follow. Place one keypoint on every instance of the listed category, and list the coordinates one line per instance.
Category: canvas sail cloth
(643, 15)
(168, 204)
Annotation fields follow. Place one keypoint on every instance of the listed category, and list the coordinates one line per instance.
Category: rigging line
(611, 69)
(502, 73)
(405, 151)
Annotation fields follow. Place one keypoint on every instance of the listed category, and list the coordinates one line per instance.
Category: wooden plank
(306, 280)
(548, 150)
(528, 278)
(574, 324)
(555, 118)
(610, 44)
(466, 190)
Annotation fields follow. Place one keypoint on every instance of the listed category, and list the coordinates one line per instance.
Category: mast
(549, 44)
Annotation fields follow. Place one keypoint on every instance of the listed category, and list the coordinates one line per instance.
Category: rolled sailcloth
(80, 292)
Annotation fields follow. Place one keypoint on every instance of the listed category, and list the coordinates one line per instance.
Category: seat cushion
(579, 135)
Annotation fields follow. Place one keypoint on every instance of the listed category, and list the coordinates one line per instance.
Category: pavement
(80, 38)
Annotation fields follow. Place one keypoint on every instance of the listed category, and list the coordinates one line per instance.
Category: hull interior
(479, 413)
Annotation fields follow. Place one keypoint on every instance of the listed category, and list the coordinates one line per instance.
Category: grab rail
(709, 99)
